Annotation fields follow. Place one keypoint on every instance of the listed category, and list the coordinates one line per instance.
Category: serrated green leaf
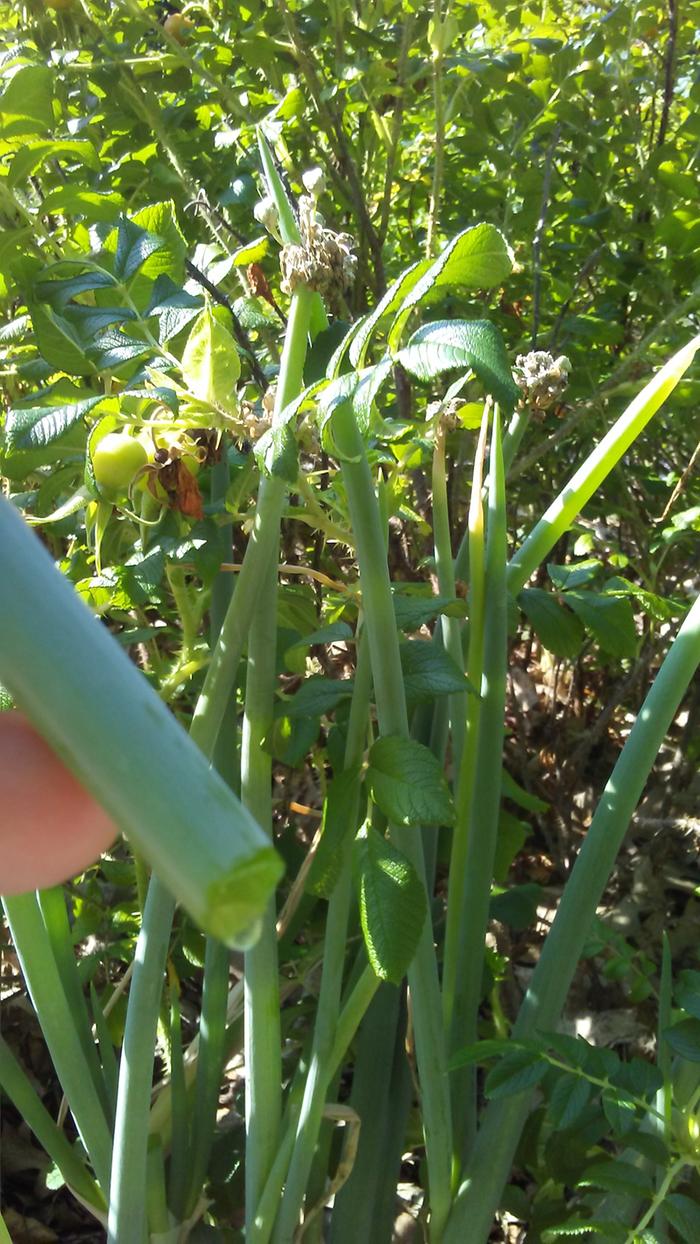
(338, 358)
(32, 155)
(33, 427)
(688, 992)
(649, 1145)
(407, 782)
(316, 696)
(134, 245)
(17, 464)
(567, 578)
(174, 308)
(276, 453)
(684, 1039)
(292, 740)
(339, 812)
(210, 362)
(322, 349)
(449, 345)
(53, 1180)
(429, 671)
(335, 632)
(657, 607)
(89, 321)
(58, 290)
(370, 381)
(193, 944)
(480, 1052)
(113, 348)
(556, 627)
(168, 260)
(143, 575)
(14, 329)
(59, 342)
(568, 1100)
(639, 1077)
(359, 388)
(610, 618)
(396, 294)
(684, 1216)
(611, 1231)
(573, 1049)
(99, 520)
(619, 1110)
(470, 415)
(617, 1175)
(252, 314)
(252, 252)
(26, 104)
(515, 1073)
(413, 610)
(93, 205)
(12, 243)
(393, 906)
(296, 608)
(477, 258)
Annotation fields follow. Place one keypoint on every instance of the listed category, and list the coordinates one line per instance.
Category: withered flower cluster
(324, 261)
(541, 377)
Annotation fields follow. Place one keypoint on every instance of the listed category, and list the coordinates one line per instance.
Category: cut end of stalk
(237, 900)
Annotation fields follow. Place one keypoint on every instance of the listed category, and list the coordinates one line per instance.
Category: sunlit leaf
(393, 907)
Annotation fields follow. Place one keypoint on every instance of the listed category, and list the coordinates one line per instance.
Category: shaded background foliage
(575, 132)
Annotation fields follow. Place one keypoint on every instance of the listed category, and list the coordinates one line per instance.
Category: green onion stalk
(482, 787)
(322, 1059)
(467, 768)
(488, 1169)
(262, 1018)
(393, 719)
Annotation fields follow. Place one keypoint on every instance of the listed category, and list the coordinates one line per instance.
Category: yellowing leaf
(252, 252)
(210, 363)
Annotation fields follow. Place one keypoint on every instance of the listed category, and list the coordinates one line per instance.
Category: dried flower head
(446, 411)
(252, 421)
(541, 377)
(324, 260)
(314, 180)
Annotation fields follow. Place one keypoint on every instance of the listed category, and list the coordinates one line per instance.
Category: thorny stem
(440, 19)
(397, 119)
(539, 235)
(341, 164)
